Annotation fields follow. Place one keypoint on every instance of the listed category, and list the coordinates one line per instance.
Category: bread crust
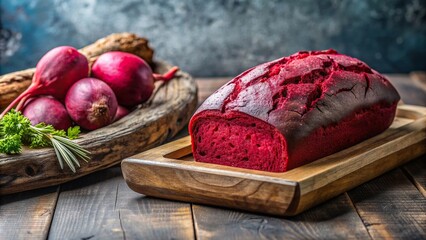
(310, 95)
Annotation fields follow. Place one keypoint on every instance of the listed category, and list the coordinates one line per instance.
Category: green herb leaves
(72, 132)
(10, 144)
(12, 128)
(16, 130)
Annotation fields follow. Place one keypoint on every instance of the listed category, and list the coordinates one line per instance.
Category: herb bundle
(16, 130)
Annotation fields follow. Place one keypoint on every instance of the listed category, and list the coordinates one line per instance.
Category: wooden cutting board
(170, 172)
(147, 126)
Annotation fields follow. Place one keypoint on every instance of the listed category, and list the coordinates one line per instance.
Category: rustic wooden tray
(147, 126)
(170, 172)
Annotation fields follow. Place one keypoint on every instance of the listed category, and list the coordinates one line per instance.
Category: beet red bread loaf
(292, 111)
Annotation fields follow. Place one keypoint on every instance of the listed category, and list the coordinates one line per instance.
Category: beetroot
(47, 110)
(121, 112)
(56, 71)
(91, 103)
(282, 114)
(129, 76)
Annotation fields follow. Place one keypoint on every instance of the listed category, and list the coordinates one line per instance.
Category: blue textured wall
(217, 38)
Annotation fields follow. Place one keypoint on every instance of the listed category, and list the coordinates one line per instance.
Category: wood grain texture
(105, 208)
(411, 88)
(416, 169)
(207, 86)
(391, 207)
(419, 80)
(335, 219)
(27, 215)
(123, 42)
(168, 172)
(416, 172)
(358, 177)
(218, 185)
(147, 126)
(267, 195)
(88, 212)
(150, 218)
(13, 84)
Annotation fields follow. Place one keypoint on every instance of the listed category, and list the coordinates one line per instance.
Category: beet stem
(21, 103)
(16, 101)
(166, 76)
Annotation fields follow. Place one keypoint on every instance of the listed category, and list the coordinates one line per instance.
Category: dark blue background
(219, 38)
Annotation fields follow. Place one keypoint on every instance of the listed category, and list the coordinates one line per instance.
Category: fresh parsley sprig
(16, 130)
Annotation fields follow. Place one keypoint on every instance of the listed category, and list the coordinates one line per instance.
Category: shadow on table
(22, 196)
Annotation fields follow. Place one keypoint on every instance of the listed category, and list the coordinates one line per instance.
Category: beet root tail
(169, 75)
(19, 100)
(21, 104)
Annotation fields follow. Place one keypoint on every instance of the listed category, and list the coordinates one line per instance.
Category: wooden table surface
(101, 206)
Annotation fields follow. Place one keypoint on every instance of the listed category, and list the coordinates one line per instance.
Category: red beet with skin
(91, 103)
(291, 111)
(56, 71)
(129, 76)
(47, 110)
(121, 112)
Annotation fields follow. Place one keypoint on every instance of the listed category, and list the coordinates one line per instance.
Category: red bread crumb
(291, 111)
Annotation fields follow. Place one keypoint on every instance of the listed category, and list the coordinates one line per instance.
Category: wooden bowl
(145, 127)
